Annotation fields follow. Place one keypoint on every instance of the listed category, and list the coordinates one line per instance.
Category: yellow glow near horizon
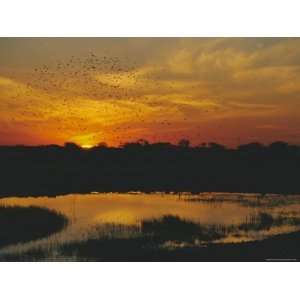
(87, 146)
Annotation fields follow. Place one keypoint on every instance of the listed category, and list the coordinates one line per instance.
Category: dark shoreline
(55, 170)
(283, 247)
(279, 248)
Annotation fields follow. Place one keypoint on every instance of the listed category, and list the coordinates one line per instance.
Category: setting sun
(87, 146)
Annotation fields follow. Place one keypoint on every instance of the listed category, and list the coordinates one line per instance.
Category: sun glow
(87, 146)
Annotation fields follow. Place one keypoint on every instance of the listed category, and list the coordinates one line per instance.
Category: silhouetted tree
(185, 143)
(102, 145)
(251, 147)
(215, 146)
(143, 142)
(72, 146)
(279, 146)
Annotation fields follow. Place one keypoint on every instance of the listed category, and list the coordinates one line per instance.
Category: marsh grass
(148, 240)
(265, 221)
(115, 230)
(263, 201)
(149, 245)
(171, 227)
(23, 224)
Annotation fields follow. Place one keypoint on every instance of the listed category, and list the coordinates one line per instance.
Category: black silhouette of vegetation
(23, 224)
(173, 228)
(147, 246)
(284, 246)
(148, 242)
(53, 170)
(261, 201)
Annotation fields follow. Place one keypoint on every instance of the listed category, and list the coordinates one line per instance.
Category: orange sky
(113, 90)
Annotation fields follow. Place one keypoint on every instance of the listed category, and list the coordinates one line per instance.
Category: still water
(93, 214)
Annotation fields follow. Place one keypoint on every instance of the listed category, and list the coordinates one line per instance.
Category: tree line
(144, 166)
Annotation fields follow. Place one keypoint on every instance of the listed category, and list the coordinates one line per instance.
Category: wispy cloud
(89, 89)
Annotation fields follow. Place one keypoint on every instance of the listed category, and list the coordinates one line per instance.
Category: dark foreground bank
(55, 170)
(23, 224)
(284, 247)
(281, 247)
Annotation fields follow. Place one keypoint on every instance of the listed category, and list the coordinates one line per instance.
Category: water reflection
(222, 217)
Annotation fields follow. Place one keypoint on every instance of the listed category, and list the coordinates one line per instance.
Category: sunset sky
(114, 90)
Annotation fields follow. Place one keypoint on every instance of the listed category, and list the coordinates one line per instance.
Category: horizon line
(144, 142)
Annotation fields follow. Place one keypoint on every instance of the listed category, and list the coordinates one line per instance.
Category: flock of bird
(53, 90)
